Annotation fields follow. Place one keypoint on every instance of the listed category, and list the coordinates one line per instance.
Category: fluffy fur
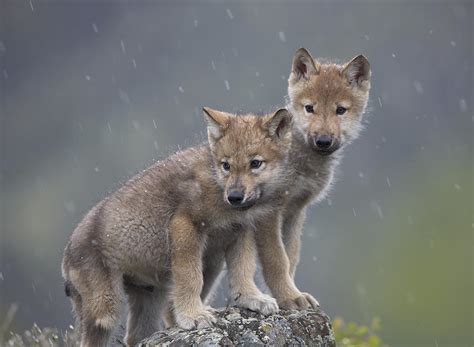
(160, 240)
(321, 89)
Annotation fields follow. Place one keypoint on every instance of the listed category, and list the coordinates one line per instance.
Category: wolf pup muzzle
(325, 144)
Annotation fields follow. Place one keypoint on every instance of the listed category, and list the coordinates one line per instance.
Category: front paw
(199, 319)
(314, 303)
(261, 303)
(303, 301)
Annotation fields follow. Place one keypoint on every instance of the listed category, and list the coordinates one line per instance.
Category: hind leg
(76, 301)
(145, 307)
(102, 301)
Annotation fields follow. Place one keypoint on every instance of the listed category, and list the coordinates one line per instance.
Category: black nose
(324, 141)
(235, 197)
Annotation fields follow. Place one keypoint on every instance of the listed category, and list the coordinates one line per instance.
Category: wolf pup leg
(186, 269)
(145, 306)
(241, 265)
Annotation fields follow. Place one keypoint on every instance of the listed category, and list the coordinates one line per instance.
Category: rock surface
(240, 327)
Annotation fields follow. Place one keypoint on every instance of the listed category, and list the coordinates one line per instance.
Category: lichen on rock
(241, 327)
(234, 327)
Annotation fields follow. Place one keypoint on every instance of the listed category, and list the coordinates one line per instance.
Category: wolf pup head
(328, 100)
(249, 154)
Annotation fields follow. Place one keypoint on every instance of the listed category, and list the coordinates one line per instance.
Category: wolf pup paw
(301, 302)
(261, 303)
(314, 303)
(200, 319)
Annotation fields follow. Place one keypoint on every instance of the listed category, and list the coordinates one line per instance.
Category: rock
(241, 327)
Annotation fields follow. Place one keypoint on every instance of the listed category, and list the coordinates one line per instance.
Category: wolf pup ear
(279, 124)
(357, 71)
(217, 122)
(303, 65)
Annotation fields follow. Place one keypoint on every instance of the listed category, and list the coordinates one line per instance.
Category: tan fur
(325, 87)
(164, 235)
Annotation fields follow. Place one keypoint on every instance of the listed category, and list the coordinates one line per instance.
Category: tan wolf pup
(327, 102)
(164, 234)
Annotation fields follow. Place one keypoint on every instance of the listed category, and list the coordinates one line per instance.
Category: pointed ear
(304, 65)
(279, 124)
(217, 122)
(357, 71)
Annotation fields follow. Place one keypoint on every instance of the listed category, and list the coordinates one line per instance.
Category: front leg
(276, 265)
(292, 227)
(186, 267)
(241, 258)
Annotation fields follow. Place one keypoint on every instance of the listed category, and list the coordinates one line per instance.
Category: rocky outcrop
(240, 327)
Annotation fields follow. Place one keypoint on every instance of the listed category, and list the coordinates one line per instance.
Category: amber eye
(309, 108)
(225, 166)
(340, 110)
(255, 164)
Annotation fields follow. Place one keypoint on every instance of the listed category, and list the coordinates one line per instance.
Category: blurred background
(93, 92)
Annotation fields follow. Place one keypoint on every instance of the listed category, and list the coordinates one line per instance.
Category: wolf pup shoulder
(147, 242)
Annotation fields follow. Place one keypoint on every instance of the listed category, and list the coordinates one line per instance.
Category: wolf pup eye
(340, 110)
(255, 164)
(225, 166)
(309, 108)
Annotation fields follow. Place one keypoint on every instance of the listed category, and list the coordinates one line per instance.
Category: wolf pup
(327, 102)
(148, 240)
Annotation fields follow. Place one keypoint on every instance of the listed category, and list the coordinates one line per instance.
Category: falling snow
(124, 96)
(122, 45)
(377, 208)
(31, 6)
(418, 87)
(227, 85)
(462, 105)
(181, 89)
(367, 37)
(457, 186)
(453, 43)
(282, 36)
(154, 124)
(95, 28)
(229, 13)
